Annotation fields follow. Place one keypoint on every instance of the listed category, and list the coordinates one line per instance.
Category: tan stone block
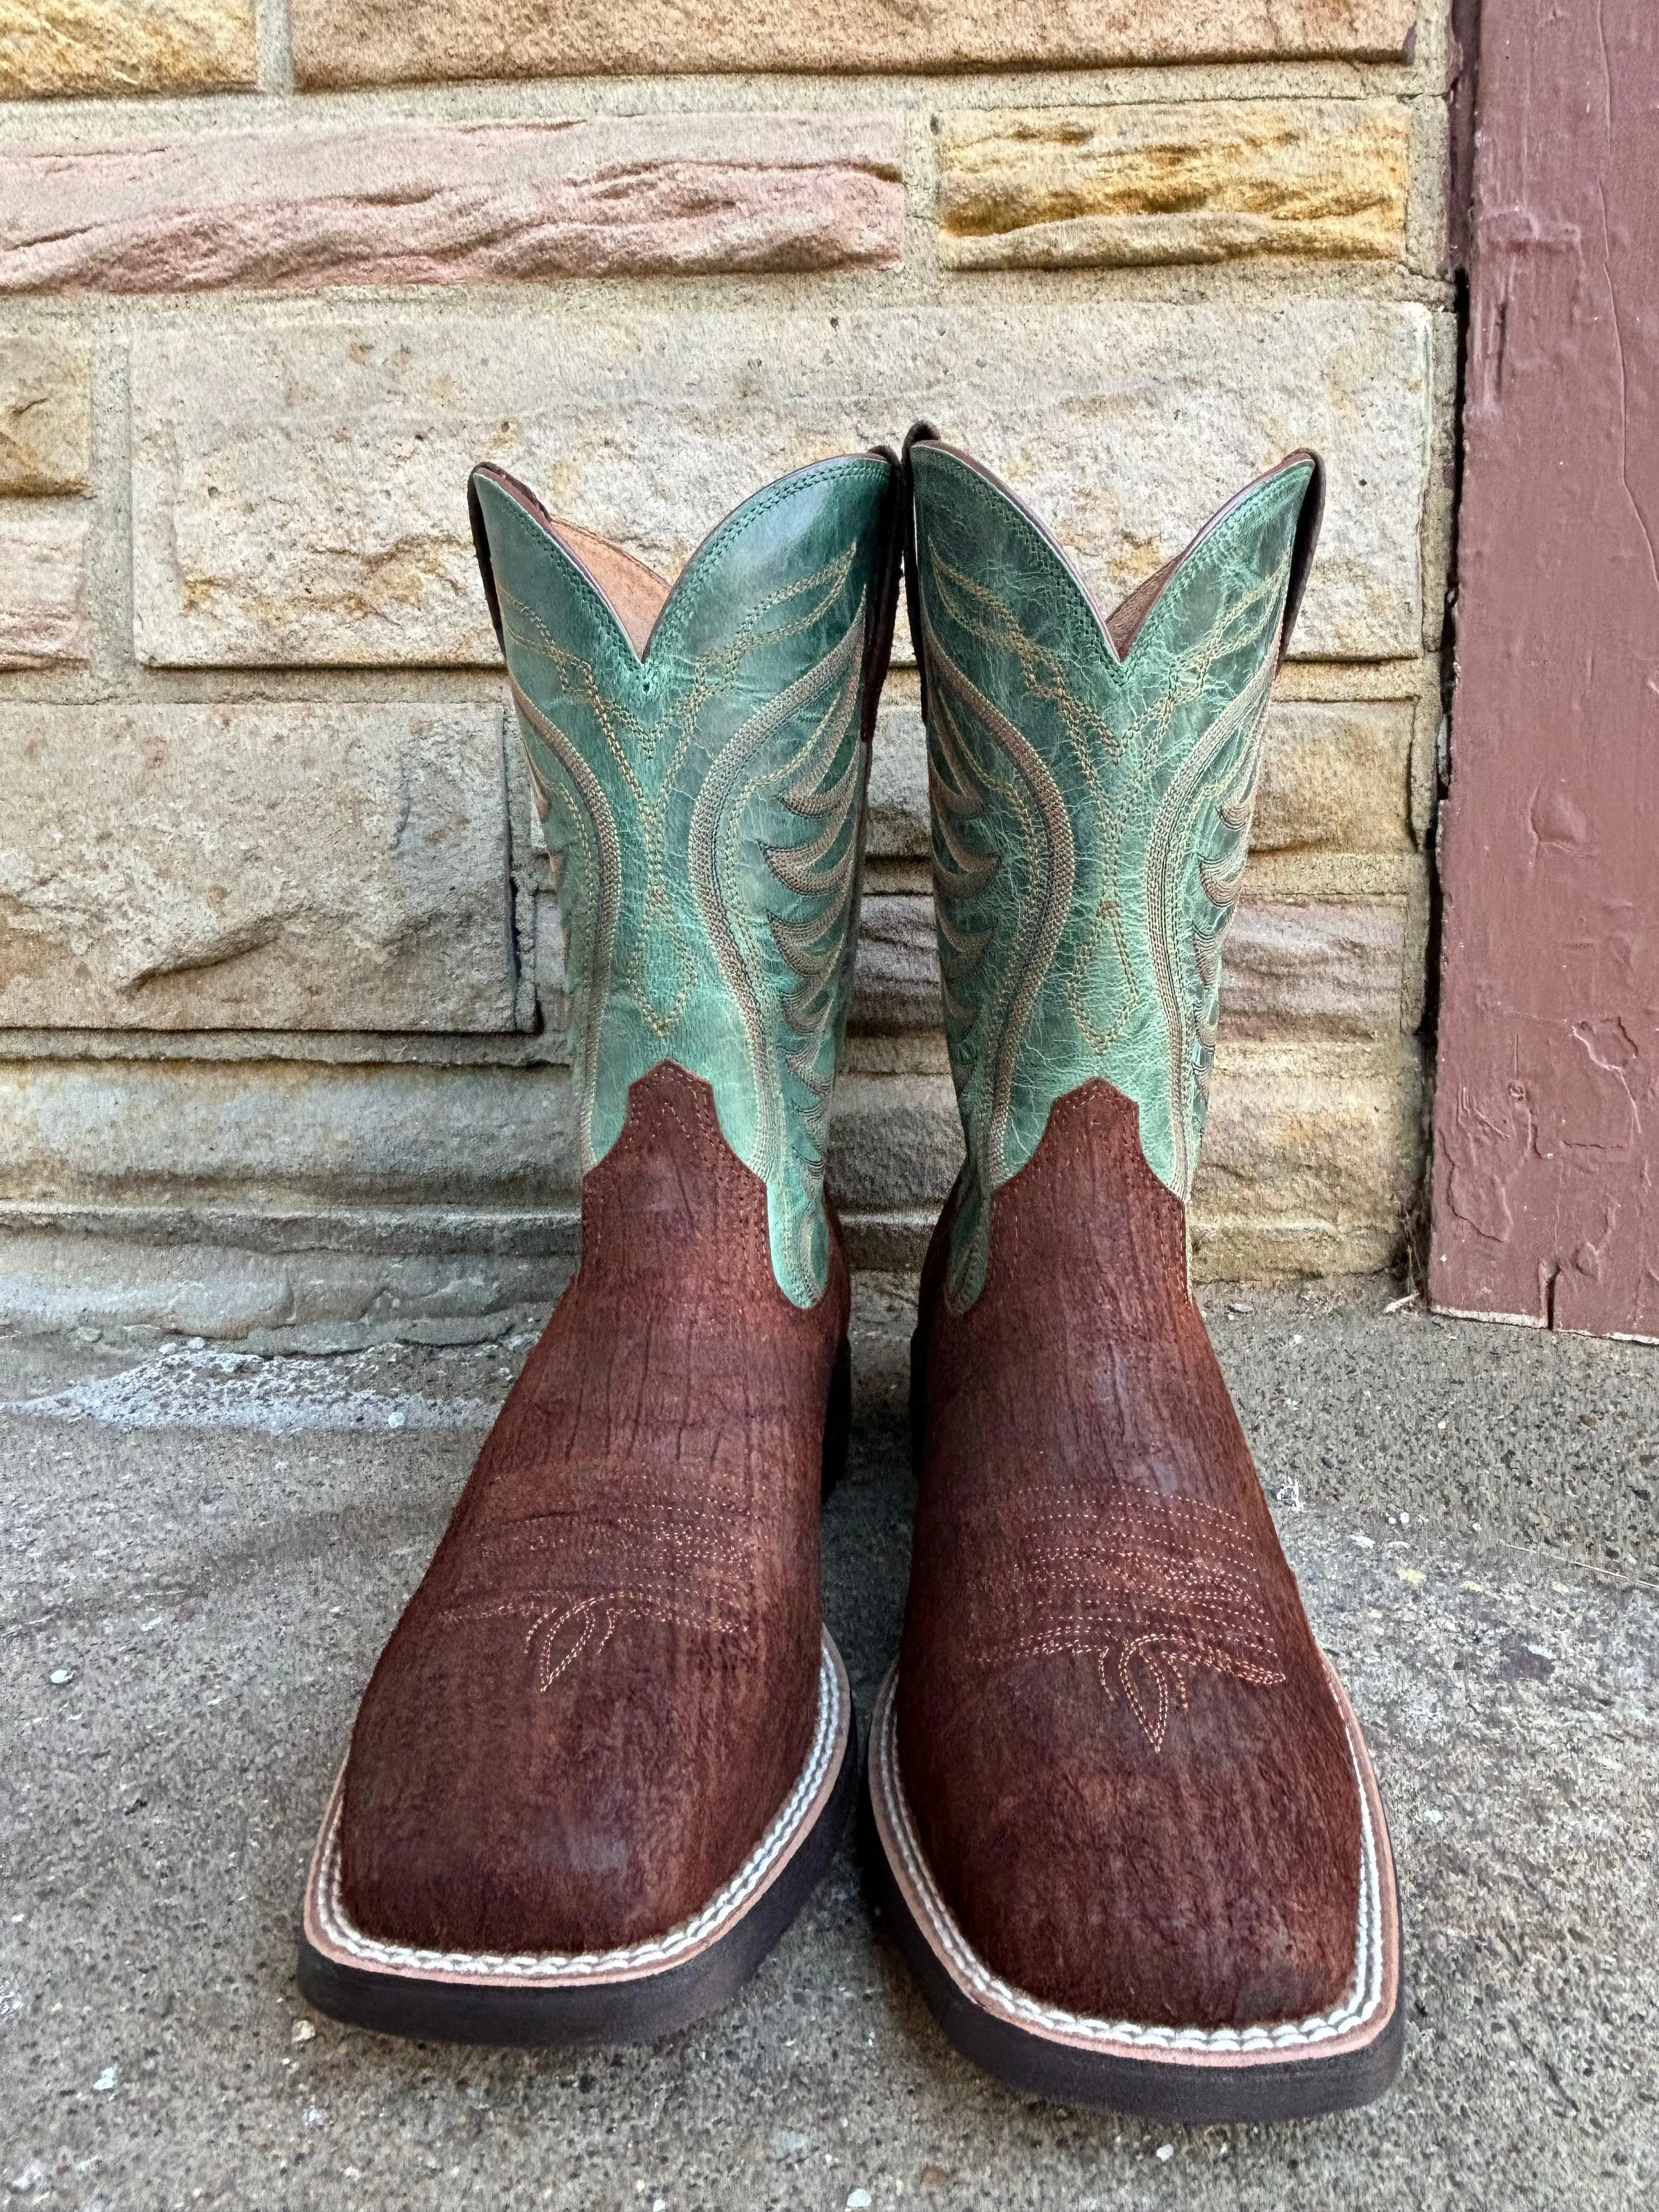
(454, 203)
(1231, 1249)
(1308, 1149)
(1314, 967)
(311, 508)
(1177, 181)
(51, 47)
(170, 1131)
(45, 413)
(1335, 777)
(340, 42)
(279, 867)
(1310, 1158)
(43, 586)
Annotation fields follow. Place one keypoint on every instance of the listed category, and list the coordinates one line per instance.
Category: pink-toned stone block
(454, 203)
(43, 586)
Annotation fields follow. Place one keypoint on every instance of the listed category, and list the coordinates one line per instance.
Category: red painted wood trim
(1546, 1114)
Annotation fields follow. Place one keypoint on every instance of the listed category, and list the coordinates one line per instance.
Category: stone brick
(294, 865)
(1314, 967)
(897, 825)
(43, 586)
(311, 508)
(1179, 180)
(45, 412)
(111, 1133)
(1335, 776)
(117, 46)
(895, 979)
(341, 42)
(895, 1142)
(1309, 1161)
(306, 1300)
(1311, 1153)
(454, 203)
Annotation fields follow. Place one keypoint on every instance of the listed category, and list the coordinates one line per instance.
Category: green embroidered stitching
(704, 805)
(1090, 818)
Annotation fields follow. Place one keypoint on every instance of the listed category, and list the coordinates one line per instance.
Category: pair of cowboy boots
(1123, 1821)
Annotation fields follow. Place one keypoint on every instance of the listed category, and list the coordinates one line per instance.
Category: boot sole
(633, 1995)
(1279, 2071)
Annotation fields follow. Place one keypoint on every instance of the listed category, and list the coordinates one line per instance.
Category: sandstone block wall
(282, 1009)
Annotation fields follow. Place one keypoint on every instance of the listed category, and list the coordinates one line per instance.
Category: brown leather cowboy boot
(1131, 1840)
(605, 1754)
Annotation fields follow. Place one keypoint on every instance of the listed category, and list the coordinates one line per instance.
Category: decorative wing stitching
(988, 1003)
(1190, 1018)
(600, 884)
(807, 992)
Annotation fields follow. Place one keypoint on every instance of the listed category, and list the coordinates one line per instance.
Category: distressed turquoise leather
(1091, 815)
(704, 803)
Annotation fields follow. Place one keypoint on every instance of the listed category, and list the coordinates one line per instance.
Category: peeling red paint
(1546, 1121)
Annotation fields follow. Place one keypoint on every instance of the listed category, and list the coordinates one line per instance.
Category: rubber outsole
(1072, 2060)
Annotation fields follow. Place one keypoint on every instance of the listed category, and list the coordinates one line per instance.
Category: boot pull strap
(481, 544)
(1301, 552)
(878, 650)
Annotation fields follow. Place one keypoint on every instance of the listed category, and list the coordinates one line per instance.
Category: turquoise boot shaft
(703, 792)
(1091, 782)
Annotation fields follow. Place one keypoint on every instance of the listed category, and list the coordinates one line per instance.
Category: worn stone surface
(896, 977)
(454, 203)
(118, 46)
(281, 866)
(1313, 967)
(306, 1300)
(311, 508)
(1334, 777)
(897, 827)
(894, 1143)
(213, 1552)
(1179, 180)
(278, 1133)
(1311, 1154)
(1309, 1160)
(45, 412)
(385, 41)
(43, 586)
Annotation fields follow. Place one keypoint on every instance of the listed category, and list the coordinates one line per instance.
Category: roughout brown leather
(605, 1685)
(1128, 1770)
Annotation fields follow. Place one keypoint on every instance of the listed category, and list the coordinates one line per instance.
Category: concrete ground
(202, 1551)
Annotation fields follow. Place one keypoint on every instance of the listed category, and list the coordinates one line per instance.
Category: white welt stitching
(1364, 1992)
(584, 1966)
